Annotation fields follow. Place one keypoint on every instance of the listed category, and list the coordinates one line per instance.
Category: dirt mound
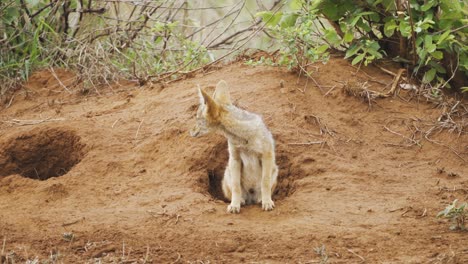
(360, 180)
(40, 153)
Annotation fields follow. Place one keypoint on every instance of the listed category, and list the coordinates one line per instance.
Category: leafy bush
(457, 215)
(429, 36)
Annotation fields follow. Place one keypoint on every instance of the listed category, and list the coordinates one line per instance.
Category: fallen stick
(354, 253)
(334, 86)
(403, 136)
(395, 82)
(31, 122)
(307, 143)
(389, 72)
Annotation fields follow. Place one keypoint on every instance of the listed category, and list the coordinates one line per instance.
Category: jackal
(251, 172)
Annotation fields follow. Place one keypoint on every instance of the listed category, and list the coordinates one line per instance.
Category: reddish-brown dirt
(115, 177)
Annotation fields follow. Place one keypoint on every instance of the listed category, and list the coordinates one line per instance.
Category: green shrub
(430, 37)
(457, 215)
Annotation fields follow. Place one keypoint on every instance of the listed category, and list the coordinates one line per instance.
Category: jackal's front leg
(236, 191)
(267, 170)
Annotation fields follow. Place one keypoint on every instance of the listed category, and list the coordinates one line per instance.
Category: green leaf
(405, 28)
(362, 24)
(373, 45)
(389, 28)
(374, 17)
(295, 4)
(443, 37)
(355, 20)
(348, 37)
(437, 54)
(330, 10)
(428, 45)
(429, 76)
(332, 37)
(288, 20)
(269, 18)
(322, 49)
(431, 47)
(158, 40)
(375, 53)
(419, 40)
(427, 40)
(427, 6)
(353, 49)
(358, 58)
(436, 65)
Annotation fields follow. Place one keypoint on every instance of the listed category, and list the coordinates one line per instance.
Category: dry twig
(354, 253)
(307, 143)
(413, 141)
(20, 122)
(138, 130)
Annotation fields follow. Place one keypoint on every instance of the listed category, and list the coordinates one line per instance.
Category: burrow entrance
(217, 161)
(41, 153)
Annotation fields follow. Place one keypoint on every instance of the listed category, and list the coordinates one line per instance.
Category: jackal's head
(211, 109)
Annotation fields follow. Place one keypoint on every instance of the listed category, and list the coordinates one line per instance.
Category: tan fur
(214, 111)
(251, 172)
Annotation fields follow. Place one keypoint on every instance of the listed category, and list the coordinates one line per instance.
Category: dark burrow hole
(41, 153)
(216, 166)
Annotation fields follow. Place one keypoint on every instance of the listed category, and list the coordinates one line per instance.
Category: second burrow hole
(216, 162)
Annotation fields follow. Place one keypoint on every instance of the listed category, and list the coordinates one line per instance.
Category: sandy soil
(114, 176)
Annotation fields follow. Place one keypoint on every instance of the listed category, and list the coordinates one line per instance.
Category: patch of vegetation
(429, 37)
(101, 41)
(104, 41)
(458, 215)
(322, 253)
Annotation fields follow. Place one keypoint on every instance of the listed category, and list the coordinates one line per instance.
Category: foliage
(428, 36)
(103, 41)
(457, 215)
(298, 38)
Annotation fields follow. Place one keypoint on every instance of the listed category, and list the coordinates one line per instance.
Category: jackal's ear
(221, 94)
(200, 95)
(212, 108)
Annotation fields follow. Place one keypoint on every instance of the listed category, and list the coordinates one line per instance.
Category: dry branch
(307, 143)
(20, 122)
(413, 141)
(354, 253)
